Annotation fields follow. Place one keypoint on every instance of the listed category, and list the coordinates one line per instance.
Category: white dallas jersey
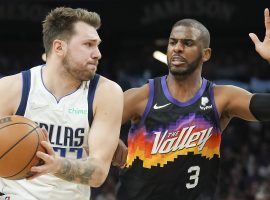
(67, 122)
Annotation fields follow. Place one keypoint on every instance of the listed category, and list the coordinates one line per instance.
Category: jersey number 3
(194, 172)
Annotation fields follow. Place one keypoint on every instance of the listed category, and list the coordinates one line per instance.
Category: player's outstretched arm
(263, 48)
(103, 139)
(240, 103)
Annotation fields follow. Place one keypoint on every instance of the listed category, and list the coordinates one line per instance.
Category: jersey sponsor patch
(204, 104)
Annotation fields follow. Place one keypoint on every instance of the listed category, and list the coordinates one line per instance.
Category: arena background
(131, 31)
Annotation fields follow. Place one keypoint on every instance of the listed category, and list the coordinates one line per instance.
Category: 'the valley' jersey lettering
(174, 141)
(157, 148)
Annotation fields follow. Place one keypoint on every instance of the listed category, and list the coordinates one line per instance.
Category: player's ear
(59, 47)
(206, 54)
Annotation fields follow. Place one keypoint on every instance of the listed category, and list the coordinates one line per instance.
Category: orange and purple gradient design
(158, 147)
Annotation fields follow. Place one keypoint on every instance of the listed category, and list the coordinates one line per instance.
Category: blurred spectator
(263, 192)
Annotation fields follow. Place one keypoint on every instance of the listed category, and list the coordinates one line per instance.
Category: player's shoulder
(228, 91)
(225, 90)
(11, 83)
(135, 101)
(138, 93)
(106, 84)
(107, 93)
(10, 90)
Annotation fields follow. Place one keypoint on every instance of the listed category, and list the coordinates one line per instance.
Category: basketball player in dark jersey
(178, 119)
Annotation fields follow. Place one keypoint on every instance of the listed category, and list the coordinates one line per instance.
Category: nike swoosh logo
(159, 107)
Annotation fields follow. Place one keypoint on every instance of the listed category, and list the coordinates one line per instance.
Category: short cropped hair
(205, 35)
(59, 24)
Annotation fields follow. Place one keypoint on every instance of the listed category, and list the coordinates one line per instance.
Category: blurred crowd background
(131, 31)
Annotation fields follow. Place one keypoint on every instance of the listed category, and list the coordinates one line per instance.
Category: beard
(185, 71)
(78, 71)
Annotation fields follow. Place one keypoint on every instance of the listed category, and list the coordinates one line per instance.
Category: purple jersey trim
(175, 101)
(214, 105)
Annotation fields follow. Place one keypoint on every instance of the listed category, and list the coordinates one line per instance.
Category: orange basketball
(19, 141)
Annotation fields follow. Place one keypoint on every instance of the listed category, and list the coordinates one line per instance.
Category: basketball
(19, 141)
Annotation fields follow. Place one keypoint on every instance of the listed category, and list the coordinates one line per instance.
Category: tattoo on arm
(77, 171)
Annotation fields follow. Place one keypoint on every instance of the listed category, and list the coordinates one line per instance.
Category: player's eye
(188, 43)
(172, 42)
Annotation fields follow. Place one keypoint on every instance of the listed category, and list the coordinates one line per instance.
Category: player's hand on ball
(120, 155)
(50, 159)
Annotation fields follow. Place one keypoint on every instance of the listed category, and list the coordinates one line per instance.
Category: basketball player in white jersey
(76, 107)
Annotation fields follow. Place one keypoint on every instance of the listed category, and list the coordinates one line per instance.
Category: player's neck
(57, 81)
(184, 88)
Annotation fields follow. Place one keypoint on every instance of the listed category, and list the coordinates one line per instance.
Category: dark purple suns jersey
(173, 153)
